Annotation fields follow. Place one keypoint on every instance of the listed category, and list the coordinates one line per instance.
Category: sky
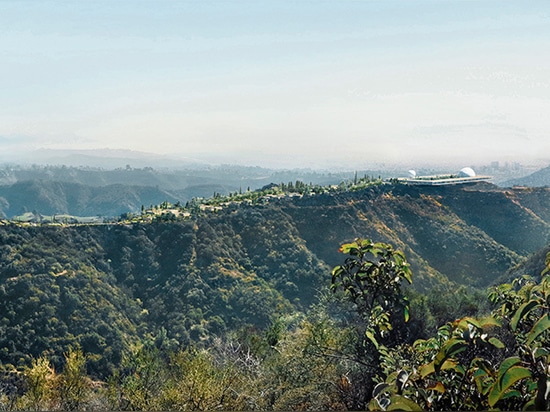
(279, 83)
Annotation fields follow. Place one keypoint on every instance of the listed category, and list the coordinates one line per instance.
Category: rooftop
(466, 175)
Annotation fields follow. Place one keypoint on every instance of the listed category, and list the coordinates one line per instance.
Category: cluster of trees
(106, 287)
(231, 310)
(500, 360)
(167, 211)
(369, 343)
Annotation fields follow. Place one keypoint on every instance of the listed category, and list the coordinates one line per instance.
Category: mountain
(537, 179)
(469, 234)
(105, 286)
(104, 158)
(532, 266)
(85, 191)
(52, 197)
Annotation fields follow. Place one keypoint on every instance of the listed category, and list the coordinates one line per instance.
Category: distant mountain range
(537, 179)
(105, 285)
(114, 182)
(87, 191)
(103, 158)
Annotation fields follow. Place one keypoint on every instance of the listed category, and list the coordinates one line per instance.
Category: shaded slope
(537, 179)
(501, 214)
(50, 197)
(105, 286)
(55, 291)
(436, 240)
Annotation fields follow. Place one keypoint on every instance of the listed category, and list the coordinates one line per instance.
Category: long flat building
(466, 175)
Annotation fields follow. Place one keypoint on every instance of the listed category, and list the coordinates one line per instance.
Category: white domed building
(466, 172)
(466, 175)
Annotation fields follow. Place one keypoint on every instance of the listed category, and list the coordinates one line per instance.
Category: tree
(198, 383)
(40, 378)
(371, 278)
(73, 385)
(500, 361)
(140, 383)
(524, 309)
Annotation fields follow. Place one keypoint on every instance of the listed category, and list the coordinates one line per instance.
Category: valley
(194, 273)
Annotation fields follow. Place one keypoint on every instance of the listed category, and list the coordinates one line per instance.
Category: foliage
(140, 380)
(154, 308)
(55, 293)
(371, 277)
(498, 361)
(73, 386)
(198, 382)
(41, 379)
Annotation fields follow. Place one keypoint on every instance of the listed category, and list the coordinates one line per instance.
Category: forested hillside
(51, 198)
(189, 281)
(84, 191)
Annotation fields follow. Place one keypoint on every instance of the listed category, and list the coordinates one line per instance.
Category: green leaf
(429, 368)
(511, 394)
(497, 343)
(507, 364)
(451, 348)
(522, 312)
(406, 313)
(353, 251)
(365, 243)
(508, 375)
(494, 395)
(473, 322)
(375, 251)
(407, 274)
(346, 248)
(399, 258)
(529, 406)
(513, 375)
(456, 348)
(464, 322)
(538, 352)
(542, 325)
(480, 378)
(374, 405)
(370, 336)
(337, 271)
(400, 403)
(489, 321)
(426, 370)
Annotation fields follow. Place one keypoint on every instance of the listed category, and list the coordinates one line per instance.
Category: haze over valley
(279, 84)
(274, 205)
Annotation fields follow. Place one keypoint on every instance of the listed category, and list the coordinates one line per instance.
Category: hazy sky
(279, 82)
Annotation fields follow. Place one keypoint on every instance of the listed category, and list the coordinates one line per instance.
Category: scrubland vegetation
(269, 305)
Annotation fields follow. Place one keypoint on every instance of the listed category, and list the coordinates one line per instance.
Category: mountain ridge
(241, 264)
(539, 178)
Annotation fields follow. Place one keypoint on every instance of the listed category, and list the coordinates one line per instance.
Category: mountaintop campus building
(466, 175)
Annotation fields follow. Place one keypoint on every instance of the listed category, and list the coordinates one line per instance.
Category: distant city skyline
(279, 83)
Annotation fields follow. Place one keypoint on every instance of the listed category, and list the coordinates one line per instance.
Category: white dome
(466, 172)
(411, 174)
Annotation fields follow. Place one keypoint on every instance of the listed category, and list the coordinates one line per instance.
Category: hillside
(53, 197)
(539, 178)
(105, 286)
(85, 191)
(471, 235)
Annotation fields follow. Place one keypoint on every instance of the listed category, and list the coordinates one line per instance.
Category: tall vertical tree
(371, 278)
